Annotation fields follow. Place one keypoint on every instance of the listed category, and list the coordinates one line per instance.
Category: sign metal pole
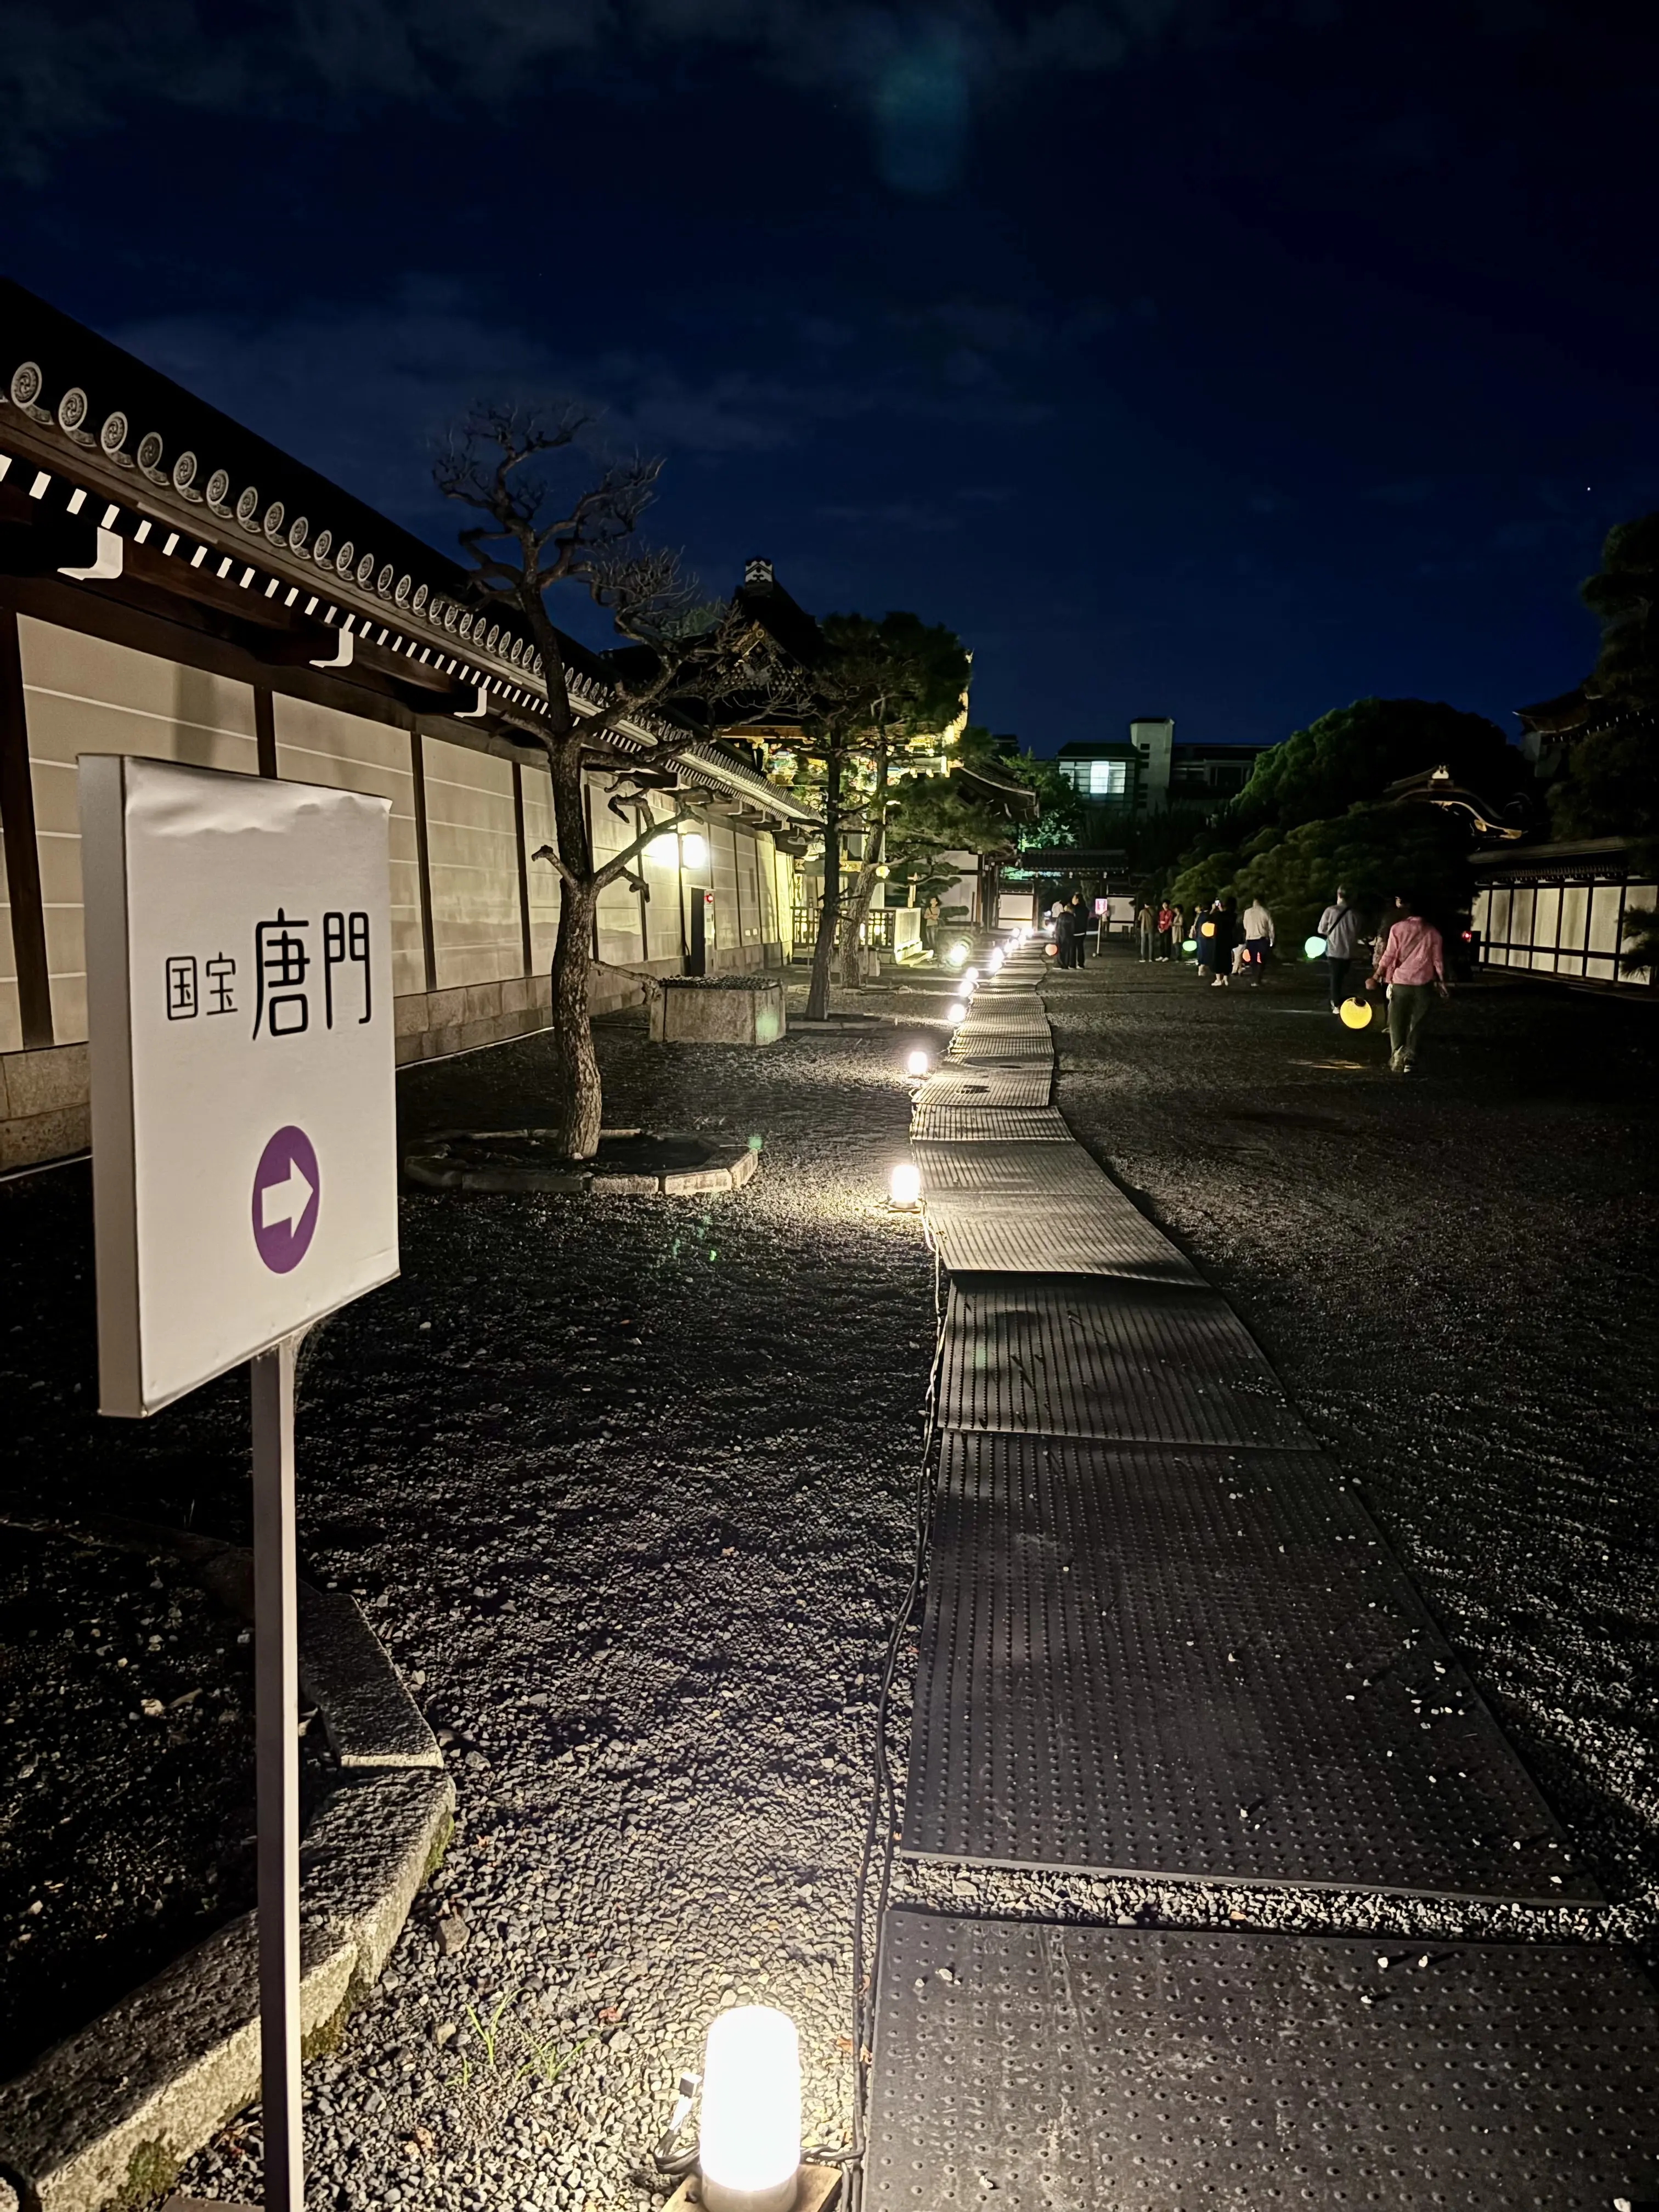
(238, 1002)
(276, 1676)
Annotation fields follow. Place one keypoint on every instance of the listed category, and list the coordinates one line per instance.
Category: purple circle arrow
(286, 1184)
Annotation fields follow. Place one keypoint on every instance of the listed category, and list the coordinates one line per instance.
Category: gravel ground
(126, 1805)
(624, 1485)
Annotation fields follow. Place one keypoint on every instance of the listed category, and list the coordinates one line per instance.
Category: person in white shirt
(1339, 927)
(1258, 942)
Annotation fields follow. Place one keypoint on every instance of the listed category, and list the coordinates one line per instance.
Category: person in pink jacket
(1412, 965)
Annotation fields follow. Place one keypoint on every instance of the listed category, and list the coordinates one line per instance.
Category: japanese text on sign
(282, 962)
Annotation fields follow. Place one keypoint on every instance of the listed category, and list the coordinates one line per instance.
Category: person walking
(1064, 936)
(1217, 934)
(1339, 927)
(1413, 965)
(1258, 926)
(1178, 933)
(1080, 920)
(1168, 935)
(1147, 929)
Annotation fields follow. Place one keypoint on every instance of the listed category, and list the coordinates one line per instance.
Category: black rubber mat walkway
(1175, 1660)
(1163, 1639)
(1037, 1356)
(1038, 2069)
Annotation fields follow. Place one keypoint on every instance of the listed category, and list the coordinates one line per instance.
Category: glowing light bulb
(994, 962)
(1313, 947)
(956, 1011)
(957, 955)
(905, 1186)
(970, 977)
(694, 850)
(918, 1063)
(749, 2136)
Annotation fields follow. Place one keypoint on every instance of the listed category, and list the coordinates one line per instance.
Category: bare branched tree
(511, 465)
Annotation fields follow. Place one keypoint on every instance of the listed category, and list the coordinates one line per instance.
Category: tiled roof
(87, 430)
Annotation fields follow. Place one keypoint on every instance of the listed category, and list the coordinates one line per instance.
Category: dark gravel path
(1454, 1273)
(126, 1800)
(624, 1486)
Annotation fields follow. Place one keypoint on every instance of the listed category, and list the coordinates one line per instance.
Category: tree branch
(567, 874)
(619, 864)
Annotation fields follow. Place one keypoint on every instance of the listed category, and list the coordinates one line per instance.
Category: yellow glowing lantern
(904, 1185)
(1356, 1013)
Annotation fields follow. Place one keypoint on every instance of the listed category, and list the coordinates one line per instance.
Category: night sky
(1230, 361)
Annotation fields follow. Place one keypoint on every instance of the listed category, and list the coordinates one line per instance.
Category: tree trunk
(858, 913)
(990, 891)
(817, 993)
(578, 1102)
(857, 908)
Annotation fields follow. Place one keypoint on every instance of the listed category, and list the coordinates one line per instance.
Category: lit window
(1107, 779)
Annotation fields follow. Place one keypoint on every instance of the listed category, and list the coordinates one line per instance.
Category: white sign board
(239, 984)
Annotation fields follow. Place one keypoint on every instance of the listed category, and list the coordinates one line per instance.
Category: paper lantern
(1314, 946)
(1358, 1013)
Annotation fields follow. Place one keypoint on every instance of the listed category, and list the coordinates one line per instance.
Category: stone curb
(370, 1718)
(429, 1170)
(108, 2117)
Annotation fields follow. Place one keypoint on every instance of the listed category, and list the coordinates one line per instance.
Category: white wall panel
(83, 694)
(472, 844)
(663, 926)
(11, 1021)
(541, 875)
(618, 917)
(723, 860)
(748, 892)
(318, 745)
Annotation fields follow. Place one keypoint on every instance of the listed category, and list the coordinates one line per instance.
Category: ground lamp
(694, 850)
(749, 2139)
(1356, 1013)
(1314, 946)
(993, 961)
(917, 1064)
(904, 1185)
(956, 1011)
(970, 977)
(957, 954)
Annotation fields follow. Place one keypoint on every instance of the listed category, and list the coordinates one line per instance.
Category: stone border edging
(108, 2116)
(429, 1169)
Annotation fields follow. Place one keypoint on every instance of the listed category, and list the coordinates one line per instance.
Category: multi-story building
(1149, 773)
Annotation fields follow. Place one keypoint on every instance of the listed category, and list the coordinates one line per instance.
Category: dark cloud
(917, 71)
